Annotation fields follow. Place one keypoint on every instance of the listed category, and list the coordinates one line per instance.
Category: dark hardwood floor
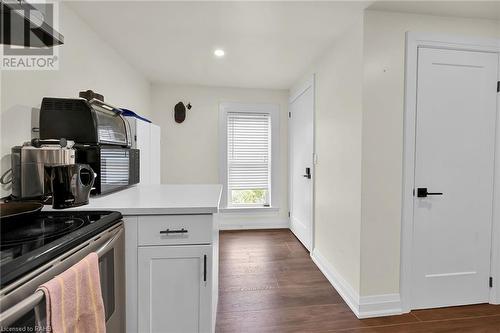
(268, 283)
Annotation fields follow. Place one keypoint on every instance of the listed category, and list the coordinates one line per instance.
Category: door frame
(296, 92)
(413, 42)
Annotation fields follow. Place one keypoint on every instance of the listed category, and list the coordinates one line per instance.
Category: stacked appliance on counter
(106, 147)
(46, 171)
(102, 139)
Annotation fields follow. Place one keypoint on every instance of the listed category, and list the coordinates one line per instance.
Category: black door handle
(308, 173)
(205, 268)
(423, 192)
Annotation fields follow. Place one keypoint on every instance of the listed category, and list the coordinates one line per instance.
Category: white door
(455, 141)
(301, 126)
(175, 289)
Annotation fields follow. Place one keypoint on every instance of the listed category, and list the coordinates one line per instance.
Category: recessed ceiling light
(219, 53)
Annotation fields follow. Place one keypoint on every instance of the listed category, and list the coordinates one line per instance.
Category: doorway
(301, 140)
(451, 135)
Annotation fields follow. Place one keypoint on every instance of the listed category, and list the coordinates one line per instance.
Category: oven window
(107, 274)
(110, 125)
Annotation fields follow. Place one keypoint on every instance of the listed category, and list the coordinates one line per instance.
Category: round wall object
(179, 112)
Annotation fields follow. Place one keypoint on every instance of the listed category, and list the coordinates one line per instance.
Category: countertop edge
(114, 202)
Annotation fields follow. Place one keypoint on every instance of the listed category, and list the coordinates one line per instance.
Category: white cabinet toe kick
(171, 273)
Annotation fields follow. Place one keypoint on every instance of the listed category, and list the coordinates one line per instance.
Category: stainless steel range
(33, 250)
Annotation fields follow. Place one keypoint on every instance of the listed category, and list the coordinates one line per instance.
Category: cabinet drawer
(175, 229)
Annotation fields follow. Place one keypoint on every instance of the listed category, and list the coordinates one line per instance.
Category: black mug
(71, 185)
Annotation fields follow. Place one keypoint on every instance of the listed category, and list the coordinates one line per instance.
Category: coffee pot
(71, 185)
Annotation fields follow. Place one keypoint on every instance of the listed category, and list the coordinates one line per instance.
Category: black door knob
(308, 173)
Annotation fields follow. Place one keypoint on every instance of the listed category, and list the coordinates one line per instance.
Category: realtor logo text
(24, 49)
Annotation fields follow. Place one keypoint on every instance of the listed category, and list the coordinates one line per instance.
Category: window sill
(249, 210)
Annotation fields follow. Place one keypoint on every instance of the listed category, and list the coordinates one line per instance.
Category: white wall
(190, 151)
(383, 97)
(359, 137)
(86, 62)
(338, 108)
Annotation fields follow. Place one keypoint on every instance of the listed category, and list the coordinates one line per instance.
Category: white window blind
(249, 152)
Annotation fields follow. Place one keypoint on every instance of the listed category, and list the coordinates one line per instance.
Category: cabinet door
(175, 286)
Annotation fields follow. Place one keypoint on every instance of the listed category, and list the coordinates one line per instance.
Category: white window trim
(249, 210)
(273, 111)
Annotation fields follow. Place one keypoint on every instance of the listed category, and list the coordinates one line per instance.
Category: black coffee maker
(71, 185)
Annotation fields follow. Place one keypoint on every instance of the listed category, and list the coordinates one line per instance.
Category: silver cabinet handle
(174, 231)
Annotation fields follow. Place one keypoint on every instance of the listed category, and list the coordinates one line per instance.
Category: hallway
(268, 283)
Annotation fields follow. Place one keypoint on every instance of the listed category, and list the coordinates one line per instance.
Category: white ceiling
(267, 44)
(471, 9)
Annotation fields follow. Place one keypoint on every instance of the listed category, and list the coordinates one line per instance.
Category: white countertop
(158, 200)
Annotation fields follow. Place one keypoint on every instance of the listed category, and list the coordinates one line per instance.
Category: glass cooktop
(28, 244)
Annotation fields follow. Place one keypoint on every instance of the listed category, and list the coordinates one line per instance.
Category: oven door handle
(12, 314)
(109, 244)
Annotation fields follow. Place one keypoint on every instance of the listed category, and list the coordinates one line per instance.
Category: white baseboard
(346, 291)
(495, 295)
(246, 222)
(362, 307)
(301, 234)
(380, 306)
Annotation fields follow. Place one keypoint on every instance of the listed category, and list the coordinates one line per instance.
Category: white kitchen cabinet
(172, 277)
(164, 271)
(175, 293)
(146, 138)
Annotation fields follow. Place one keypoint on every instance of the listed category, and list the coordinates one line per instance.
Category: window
(248, 158)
